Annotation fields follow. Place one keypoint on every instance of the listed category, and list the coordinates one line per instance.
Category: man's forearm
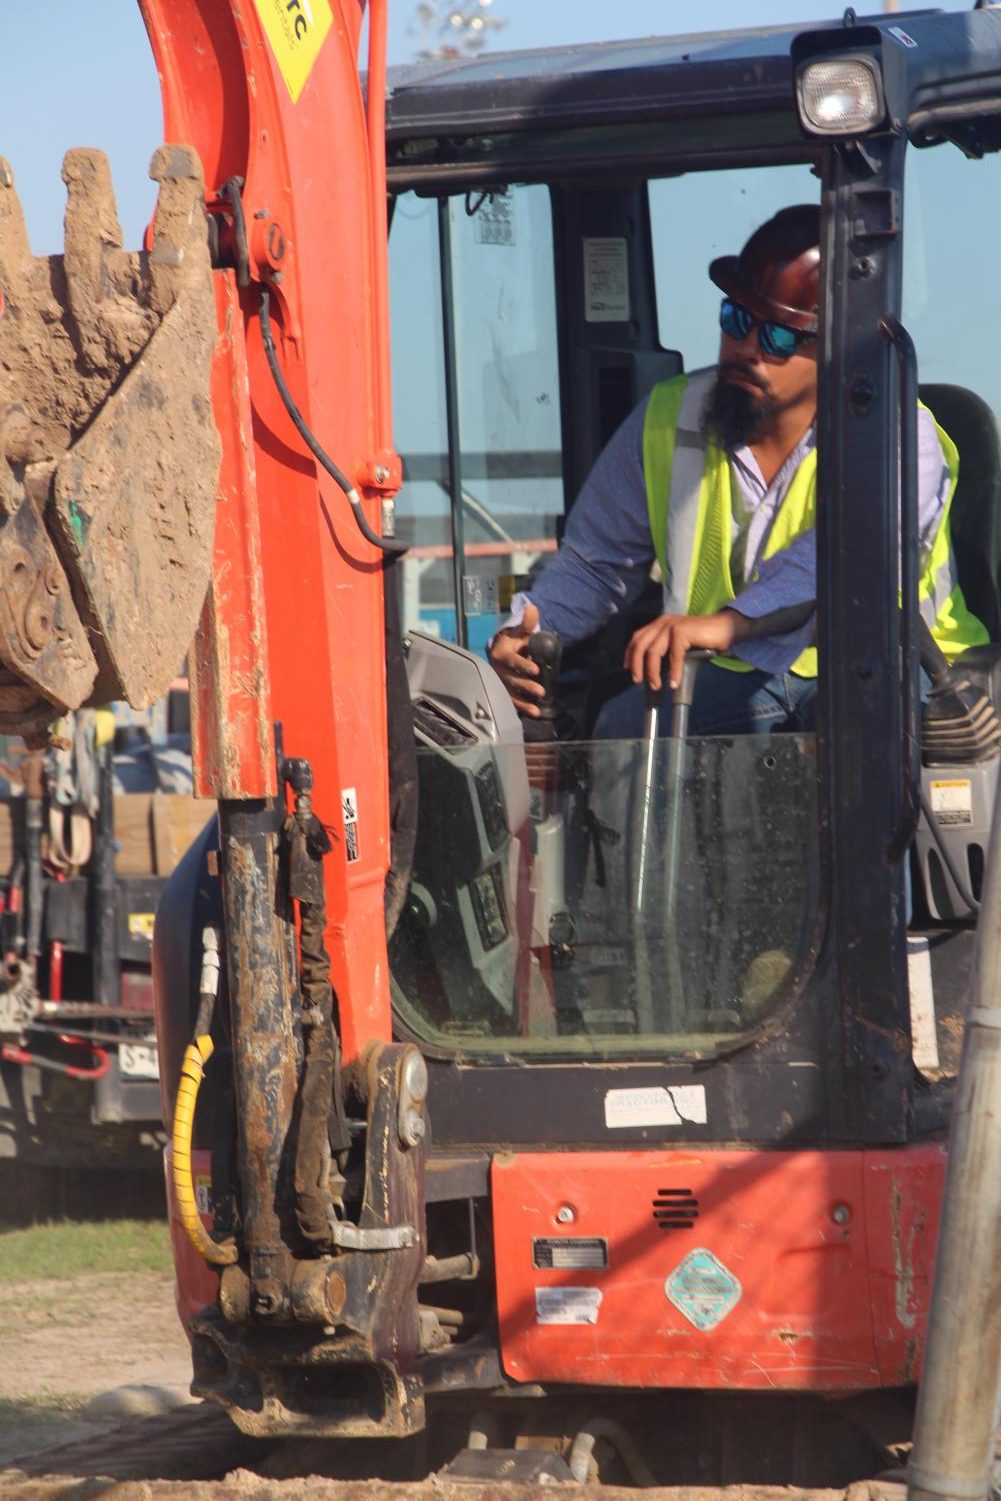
(776, 623)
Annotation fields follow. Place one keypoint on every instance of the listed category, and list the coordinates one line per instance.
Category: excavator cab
(567, 1067)
(674, 899)
(763, 939)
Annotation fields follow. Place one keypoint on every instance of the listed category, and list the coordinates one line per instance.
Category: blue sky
(91, 81)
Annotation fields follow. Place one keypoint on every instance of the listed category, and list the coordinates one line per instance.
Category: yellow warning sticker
(203, 1193)
(296, 30)
(952, 800)
(141, 924)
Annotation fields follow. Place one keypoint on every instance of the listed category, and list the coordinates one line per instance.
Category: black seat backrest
(975, 519)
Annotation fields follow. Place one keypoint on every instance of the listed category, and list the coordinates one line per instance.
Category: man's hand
(510, 660)
(671, 636)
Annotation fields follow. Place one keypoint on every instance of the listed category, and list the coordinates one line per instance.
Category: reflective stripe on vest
(690, 506)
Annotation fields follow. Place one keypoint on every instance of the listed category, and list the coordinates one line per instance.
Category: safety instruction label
(656, 1106)
(141, 924)
(349, 812)
(493, 220)
(703, 1289)
(296, 30)
(567, 1305)
(606, 280)
(952, 800)
(479, 594)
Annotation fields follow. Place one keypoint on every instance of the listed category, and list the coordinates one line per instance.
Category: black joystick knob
(546, 651)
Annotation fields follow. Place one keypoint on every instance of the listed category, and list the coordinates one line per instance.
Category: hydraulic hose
(387, 545)
(622, 1442)
(196, 1055)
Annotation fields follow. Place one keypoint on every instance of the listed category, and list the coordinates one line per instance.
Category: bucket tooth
(109, 456)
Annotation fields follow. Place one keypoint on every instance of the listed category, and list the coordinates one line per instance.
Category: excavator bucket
(109, 454)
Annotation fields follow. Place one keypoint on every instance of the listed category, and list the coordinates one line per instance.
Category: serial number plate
(137, 1060)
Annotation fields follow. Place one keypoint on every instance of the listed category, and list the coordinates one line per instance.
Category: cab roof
(604, 82)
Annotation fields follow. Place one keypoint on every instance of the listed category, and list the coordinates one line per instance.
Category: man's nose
(749, 345)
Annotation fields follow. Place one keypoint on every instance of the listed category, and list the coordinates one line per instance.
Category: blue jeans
(725, 703)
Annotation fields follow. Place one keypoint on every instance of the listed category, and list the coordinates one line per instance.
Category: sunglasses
(774, 338)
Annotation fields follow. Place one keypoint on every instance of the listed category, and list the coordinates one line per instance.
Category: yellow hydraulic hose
(196, 1055)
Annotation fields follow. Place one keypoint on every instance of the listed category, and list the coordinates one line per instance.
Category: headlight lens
(842, 96)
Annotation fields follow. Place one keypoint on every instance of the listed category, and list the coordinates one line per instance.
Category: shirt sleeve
(934, 482)
(605, 557)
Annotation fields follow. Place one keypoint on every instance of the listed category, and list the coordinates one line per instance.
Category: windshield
(608, 897)
(597, 896)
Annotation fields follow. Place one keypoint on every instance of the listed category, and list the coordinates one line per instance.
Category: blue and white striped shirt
(607, 552)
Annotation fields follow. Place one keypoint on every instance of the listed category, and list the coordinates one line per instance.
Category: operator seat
(975, 518)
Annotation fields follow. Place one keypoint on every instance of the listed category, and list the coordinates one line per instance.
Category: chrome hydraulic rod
(957, 1412)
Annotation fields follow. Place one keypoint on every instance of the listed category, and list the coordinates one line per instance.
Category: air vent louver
(675, 1209)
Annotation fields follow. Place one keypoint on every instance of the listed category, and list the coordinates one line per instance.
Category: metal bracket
(374, 1238)
(875, 213)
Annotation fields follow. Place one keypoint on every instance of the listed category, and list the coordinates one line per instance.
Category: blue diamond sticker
(703, 1289)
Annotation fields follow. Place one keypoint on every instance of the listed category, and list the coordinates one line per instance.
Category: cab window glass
(604, 900)
(476, 346)
(953, 202)
(697, 217)
(608, 898)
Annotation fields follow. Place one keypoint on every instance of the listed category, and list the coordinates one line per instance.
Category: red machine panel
(738, 1269)
(197, 1283)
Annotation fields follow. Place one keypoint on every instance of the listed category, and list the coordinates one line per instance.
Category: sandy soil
(56, 1354)
(104, 1331)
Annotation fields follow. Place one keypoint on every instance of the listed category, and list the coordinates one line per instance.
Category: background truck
(88, 834)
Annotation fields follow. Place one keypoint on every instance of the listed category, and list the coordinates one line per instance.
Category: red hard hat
(777, 274)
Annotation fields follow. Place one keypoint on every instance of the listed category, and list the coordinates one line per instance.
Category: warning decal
(567, 1305)
(656, 1106)
(349, 812)
(296, 30)
(703, 1289)
(952, 800)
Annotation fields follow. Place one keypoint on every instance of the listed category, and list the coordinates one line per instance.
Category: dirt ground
(94, 1341)
(56, 1357)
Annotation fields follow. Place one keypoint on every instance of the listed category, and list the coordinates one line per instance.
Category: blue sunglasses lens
(775, 339)
(734, 320)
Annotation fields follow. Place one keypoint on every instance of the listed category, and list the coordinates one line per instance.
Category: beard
(733, 415)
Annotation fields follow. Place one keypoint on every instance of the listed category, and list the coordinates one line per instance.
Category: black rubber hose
(384, 544)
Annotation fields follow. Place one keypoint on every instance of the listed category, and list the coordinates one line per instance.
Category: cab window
(595, 898)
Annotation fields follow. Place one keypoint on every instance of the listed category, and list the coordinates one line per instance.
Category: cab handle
(906, 508)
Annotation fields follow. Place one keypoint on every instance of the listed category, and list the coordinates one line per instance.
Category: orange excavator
(526, 1079)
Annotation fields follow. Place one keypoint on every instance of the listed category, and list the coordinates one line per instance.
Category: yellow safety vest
(690, 505)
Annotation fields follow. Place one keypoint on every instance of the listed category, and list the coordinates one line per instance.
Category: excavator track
(195, 1451)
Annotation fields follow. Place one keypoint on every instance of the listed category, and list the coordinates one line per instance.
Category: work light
(840, 96)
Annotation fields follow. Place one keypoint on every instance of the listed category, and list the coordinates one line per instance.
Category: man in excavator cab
(655, 1106)
(713, 477)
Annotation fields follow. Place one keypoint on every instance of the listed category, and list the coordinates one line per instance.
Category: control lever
(545, 649)
(959, 723)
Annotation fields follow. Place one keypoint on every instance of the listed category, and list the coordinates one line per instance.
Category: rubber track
(196, 1454)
